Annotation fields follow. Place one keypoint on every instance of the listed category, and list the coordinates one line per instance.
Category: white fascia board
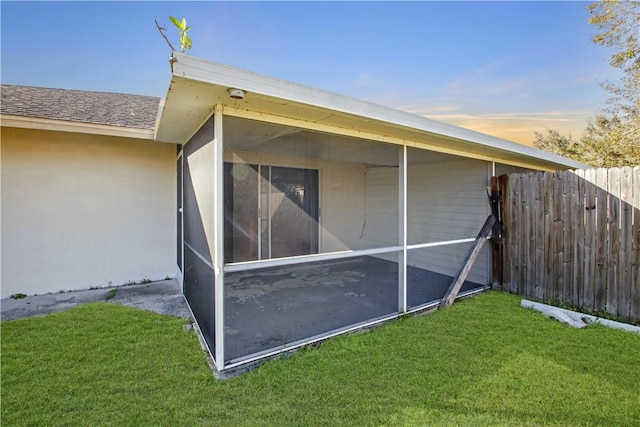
(37, 123)
(158, 115)
(198, 69)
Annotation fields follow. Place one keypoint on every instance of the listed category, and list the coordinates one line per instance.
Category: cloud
(485, 86)
(498, 77)
(507, 99)
(429, 110)
(513, 126)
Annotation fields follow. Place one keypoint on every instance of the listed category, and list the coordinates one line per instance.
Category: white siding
(342, 204)
(446, 201)
(381, 210)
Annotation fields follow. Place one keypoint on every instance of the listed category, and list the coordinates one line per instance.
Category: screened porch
(317, 233)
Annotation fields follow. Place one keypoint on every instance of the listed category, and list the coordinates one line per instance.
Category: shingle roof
(102, 108)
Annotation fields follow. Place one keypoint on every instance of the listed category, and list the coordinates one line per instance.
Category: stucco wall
(82, 211)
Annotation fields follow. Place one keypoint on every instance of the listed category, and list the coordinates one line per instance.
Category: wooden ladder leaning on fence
(491, 226)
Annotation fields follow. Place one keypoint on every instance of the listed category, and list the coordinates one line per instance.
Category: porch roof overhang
(197, 86)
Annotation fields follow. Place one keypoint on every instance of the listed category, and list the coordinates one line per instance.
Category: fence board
(600, 280)
(577, 216)
(530, 236)
(590, 213)
(624, 282)
(634, 309)
(568, 280)
(557, 233)
(574, 237)
(549, 242)
(538, 244)
(523, 241)
(514, 232)
(613, 242)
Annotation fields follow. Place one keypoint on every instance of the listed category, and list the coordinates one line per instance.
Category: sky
(503, 68)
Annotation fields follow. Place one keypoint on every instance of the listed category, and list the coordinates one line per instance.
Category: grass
(111, 294)
(484, 361)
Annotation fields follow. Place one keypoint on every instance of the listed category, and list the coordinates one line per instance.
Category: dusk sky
(502, 68)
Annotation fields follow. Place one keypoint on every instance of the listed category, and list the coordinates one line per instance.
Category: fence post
(497, 236)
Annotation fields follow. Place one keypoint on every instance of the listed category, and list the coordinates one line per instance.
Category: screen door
(270, 212)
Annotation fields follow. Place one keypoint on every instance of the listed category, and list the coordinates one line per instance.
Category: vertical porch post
(402, 232)
(218, 227)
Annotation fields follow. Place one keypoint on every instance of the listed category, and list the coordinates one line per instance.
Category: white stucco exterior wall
(81, 211)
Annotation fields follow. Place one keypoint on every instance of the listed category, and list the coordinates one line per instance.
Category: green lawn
(484, 361)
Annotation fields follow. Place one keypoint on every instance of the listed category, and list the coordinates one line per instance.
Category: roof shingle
(102, 108)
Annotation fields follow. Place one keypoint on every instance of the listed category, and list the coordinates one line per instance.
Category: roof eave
(38, 123)
(201, 72)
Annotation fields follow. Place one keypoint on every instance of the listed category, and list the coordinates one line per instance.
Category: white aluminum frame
(221, 268)
(302, 259)
(180, 211)
(402, 220)
(218, 227)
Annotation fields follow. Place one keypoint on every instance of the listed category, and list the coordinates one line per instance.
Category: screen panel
(197, 190)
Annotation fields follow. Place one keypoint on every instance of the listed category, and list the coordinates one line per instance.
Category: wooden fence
(572, 237)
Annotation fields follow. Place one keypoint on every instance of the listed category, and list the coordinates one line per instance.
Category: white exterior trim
(74, 127)
(443, 243)
(202, 75)
(307, 341)
(321, 127)
(303, 259)
(218, 227)
(180, 211)
(402, 216)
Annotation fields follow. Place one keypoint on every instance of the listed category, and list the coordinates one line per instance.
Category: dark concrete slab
(268, 308)
(164, 297)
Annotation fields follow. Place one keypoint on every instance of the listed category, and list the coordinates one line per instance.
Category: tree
(605, 143)
(619, 25)
(557, 143)
(185, 40)
(613, 137)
